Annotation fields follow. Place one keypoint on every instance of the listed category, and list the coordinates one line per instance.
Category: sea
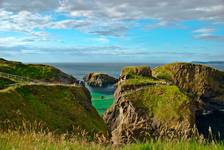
(102, 98)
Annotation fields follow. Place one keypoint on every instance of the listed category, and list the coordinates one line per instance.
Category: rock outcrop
(128, 72)
(205, 82)
(174, 103)
(99, 80)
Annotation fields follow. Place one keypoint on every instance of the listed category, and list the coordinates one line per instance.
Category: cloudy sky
(112, 30)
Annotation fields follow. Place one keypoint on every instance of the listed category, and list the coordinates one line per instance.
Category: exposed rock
(170, 107)
(151, 112)
(205, 82)
(99, 80)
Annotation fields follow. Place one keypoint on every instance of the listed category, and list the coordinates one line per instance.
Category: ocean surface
(102, 98)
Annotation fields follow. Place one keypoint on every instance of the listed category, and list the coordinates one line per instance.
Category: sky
(156, 31)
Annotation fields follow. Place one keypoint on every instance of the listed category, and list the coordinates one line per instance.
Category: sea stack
(99, 80)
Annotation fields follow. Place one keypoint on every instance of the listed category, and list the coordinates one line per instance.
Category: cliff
(177, 101)
(130, 71)
(38, 72)
(43, 94)
(99, 80)
(60, 108)
(205, 82)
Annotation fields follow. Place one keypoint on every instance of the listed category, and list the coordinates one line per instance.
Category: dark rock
(99, 80)
(203, 81)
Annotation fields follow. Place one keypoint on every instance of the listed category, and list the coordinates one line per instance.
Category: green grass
(140, 80)
(5, 82)
(47, 141)
(59, 108)
(32, 71)
(136, 70)
(175, 145)
(164, 102)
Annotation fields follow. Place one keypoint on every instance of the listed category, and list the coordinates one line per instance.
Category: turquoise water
(102, 103)
(102, 98)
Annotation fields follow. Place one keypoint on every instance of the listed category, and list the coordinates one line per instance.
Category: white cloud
(207, 34)
(27, 5)
(106, 17)
(156, 9)
(23, 21)
(204, 30)
(13, 41)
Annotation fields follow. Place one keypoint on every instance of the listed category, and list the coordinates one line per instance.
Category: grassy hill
(35, 71)
(59, 108)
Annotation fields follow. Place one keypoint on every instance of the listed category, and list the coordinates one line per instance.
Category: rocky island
(99, 80)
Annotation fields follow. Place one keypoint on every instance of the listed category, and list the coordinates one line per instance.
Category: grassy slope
(33, 71)
(164, 102)
(139, 70)
(135, 80)
(5, 82)
(58, 107)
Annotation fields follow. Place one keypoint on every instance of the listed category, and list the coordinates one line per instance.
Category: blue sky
(112, 31)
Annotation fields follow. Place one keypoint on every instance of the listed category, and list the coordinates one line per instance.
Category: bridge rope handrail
(29, 80)
(15, 77)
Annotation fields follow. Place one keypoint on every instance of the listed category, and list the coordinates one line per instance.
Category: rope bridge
(31, 81)
(103, 98)
(15, 77)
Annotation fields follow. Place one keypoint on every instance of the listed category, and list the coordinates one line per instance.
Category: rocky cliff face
(99, 80)
(203, 81)
(174, 103)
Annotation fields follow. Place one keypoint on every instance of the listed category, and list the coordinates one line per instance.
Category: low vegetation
(160, 99)
(59, 108)
(128, 71)
(5, 82)
(33, 71)
(31, 140)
